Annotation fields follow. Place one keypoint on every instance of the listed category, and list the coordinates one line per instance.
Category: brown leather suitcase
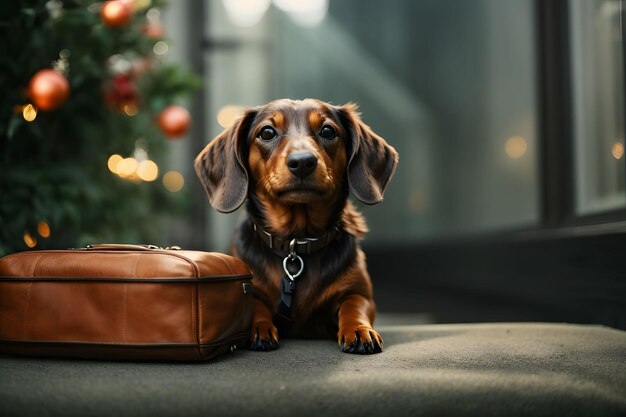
(124, 302)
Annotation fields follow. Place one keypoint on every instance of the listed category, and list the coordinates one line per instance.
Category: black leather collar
(301, 245)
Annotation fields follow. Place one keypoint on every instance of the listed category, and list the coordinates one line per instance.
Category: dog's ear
(221, 166)
(372, 161)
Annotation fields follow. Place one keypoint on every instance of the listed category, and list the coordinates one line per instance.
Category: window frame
(555, 109)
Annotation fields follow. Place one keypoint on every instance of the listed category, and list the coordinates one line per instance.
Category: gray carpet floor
(505, 369)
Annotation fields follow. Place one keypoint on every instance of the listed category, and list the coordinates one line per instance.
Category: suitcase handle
(126, 246)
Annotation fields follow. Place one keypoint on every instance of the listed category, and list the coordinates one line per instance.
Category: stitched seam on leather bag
(28, 296)
(194, 322)
(26, 311)
(133, 274)
(124, 317)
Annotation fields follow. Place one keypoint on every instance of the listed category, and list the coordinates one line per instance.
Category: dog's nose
(301, 164)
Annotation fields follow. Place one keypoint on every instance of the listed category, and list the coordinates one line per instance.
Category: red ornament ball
(115, 13)
(48, 89)
(120, 91)
(174, 121)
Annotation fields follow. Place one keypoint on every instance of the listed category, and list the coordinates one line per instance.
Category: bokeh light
(29, 240)
(246, 13)
(147, 170)
(515, 147)
(228, 115)
(113, 162)
(307, 13)
(173, 181)
(29, 112)
(160, 48)
(127, 167)
(43, 229)
(130, 109)
(617, 150)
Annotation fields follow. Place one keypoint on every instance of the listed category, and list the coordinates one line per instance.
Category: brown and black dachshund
(296, 162)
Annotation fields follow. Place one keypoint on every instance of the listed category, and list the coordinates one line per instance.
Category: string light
(135, 169)
(515, 147)
(127, 167)
(43, 229)
(173, 181)
(113, 162)
(130, 109)
(160, 48)
(617, 150)
(29, 112)
(147, 170)
(29, 240)
(153, 15)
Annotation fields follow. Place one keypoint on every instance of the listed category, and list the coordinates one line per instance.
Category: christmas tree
(87, 108)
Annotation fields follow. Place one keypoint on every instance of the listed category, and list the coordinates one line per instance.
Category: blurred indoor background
(509, 201)
(454, 86)
(509, 119)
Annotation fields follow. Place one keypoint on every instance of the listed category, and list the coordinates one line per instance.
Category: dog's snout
(301, 164)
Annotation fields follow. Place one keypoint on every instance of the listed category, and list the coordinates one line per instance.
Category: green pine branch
(55, 168)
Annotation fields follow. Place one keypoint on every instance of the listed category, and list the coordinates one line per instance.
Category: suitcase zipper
(170, 250)
(125, 246)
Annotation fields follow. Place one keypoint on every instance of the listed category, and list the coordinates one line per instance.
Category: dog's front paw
(264, 336)
(360, 339)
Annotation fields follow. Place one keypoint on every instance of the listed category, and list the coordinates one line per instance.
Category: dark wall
(573, 279)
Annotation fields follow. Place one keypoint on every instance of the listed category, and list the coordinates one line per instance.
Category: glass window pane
(451, 85)
(598, 101)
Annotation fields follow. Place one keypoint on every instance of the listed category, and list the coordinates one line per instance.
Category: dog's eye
(328, 132)
(267, 133)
